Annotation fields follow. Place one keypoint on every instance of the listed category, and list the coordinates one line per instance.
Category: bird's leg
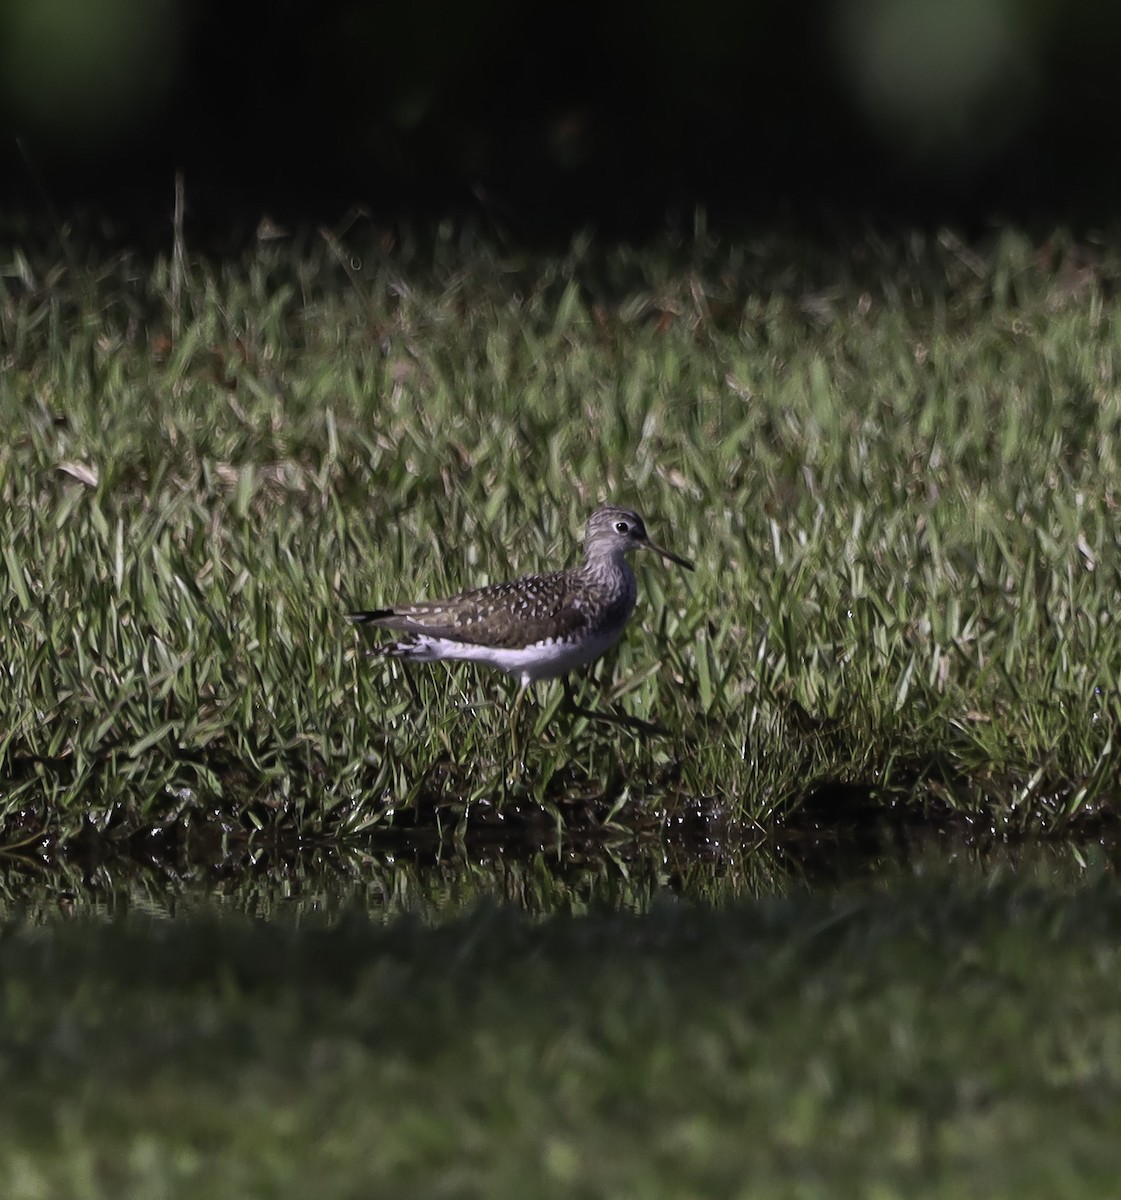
(413, 691)
(621, 719)
(515, 712)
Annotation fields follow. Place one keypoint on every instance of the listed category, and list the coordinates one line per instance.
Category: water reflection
(436, 881)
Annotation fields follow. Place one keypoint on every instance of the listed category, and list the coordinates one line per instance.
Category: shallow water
(441, 881)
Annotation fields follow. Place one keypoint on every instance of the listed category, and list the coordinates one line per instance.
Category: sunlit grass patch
(896, 470)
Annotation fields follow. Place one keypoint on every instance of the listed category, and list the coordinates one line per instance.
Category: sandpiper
(539, 626)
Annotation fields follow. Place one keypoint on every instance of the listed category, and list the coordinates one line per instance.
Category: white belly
(545, 660)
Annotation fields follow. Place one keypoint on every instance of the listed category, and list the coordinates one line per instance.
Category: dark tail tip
(373, 614)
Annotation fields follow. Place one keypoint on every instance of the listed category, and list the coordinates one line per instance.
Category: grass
(942, 1037)
(896, 468)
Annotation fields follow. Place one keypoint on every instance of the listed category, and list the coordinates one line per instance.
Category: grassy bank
(939, 1039)
(896, 469)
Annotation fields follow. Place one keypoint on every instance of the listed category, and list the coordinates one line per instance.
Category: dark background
(541, 118)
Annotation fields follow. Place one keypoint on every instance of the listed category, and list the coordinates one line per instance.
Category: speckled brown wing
(504, 615)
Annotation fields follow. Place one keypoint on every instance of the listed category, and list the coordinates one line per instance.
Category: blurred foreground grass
(896, 468)
(938, 1038)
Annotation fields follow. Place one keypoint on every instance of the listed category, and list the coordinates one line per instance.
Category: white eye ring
(622, 527)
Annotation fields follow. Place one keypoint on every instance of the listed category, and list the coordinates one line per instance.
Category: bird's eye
(622, 527)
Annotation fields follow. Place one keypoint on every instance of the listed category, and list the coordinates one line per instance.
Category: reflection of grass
(937, 1039)
(434, 882)
(896, 470)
